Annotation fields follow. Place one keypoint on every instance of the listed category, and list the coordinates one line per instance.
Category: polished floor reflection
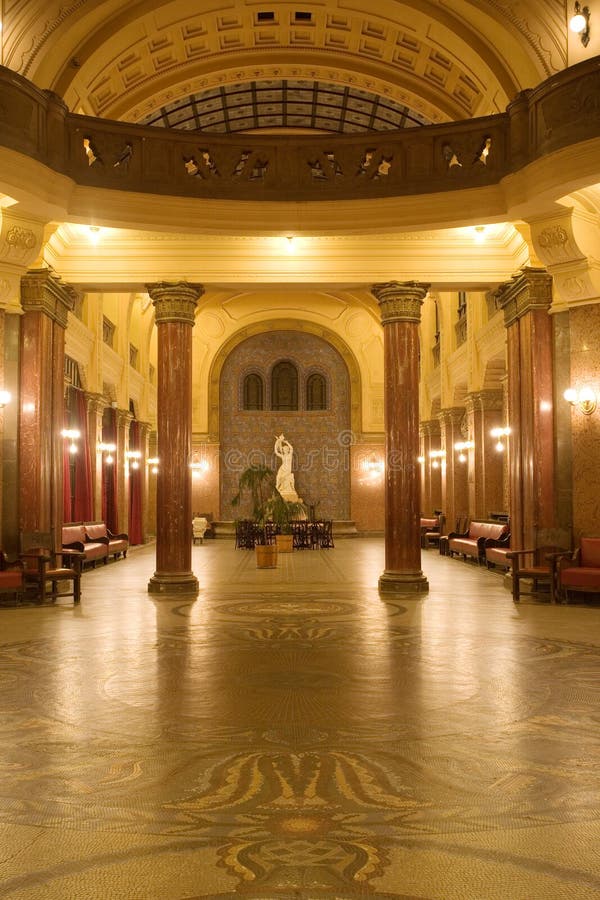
(292, 734)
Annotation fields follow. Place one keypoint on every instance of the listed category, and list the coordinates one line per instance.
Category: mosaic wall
(321, 439)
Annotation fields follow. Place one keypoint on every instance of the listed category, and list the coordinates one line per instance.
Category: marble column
(174, 306)
(143, 447)
(486, 464)
(124, 418)
(95, 411)
(526, 300)
(46, 302)
(400, 309)
(432, 467)
(455, 492)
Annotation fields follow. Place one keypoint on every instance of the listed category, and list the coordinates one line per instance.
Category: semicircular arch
(333, 339)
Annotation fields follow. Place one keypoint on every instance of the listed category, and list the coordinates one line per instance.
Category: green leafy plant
(259, 483)
(283, 512)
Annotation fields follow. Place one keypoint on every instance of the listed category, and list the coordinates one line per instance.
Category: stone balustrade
(562, 111)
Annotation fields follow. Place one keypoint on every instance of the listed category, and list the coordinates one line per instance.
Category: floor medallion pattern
(313, 742)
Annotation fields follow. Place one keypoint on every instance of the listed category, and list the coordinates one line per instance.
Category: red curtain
(135, 489)
(83, 509)
(109, 472)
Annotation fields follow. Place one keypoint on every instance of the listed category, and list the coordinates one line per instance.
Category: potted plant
(282, 513)
(259, 482)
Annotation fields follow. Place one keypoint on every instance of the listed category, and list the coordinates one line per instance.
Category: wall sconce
(134, 457)
(420, 459)
(199, 468)
(580, 23)
(500, 434)
(71, 434)
(109, 449)
(436, 456)
(373, 466)
(584, 399)
(5, 398)
(153, 461)
(460, 448)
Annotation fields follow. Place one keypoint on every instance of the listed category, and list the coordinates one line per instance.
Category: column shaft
(46, 302)
(526, 301)
(400, 314)
(174, 306)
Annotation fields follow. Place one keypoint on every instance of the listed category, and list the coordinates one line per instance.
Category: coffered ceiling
(433, 61)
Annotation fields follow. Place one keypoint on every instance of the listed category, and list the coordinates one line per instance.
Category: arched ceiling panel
(440, 60)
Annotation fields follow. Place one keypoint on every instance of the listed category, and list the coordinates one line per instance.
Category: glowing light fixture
(94, 234)
(5, 398)
(72, 435)
(500, 434)
(579, 23)
(584, 399)
(436, 456)
(479, 234)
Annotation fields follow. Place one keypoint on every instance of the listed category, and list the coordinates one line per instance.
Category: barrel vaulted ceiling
(147, 61)
(329, 65)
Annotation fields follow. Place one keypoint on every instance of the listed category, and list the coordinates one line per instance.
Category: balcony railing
(120, 156)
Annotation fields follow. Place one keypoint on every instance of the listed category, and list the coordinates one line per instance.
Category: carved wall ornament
(23, 238)
(553, 237)
(573, 286)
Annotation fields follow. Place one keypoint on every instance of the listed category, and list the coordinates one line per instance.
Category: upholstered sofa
(496, 552)
(472, 542)
(95, 541)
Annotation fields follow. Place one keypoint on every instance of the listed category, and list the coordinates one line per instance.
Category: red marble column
(526, 300)
(486, 464)
(400, 308)
(455, 494)
(174, 306)
(124, 418)
(95, 411)
(46, 302)
(432, 467)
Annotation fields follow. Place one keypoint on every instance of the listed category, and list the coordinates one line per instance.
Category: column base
(403, 583)
(175, 583)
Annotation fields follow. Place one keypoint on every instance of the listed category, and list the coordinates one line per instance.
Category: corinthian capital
(400, 301)
(174, 301)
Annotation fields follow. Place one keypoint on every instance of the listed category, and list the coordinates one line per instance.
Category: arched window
(316, 392)
(253, 392)
(284, 386)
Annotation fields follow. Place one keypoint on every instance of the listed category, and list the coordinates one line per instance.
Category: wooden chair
(43, 566)
(578, 571)
(430, 537)
(532, 565)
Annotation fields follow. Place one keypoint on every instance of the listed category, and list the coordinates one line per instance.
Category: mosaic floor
(292, 734)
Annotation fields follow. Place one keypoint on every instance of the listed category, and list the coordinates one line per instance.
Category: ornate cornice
(42, 291)
(529, 290)
(400, 302)
(452, 415)
(175, 302)
(485, 401)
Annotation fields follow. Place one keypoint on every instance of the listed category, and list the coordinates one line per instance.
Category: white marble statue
(285, 478)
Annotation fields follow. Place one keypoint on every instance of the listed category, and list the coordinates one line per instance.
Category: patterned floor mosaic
(292, 734)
